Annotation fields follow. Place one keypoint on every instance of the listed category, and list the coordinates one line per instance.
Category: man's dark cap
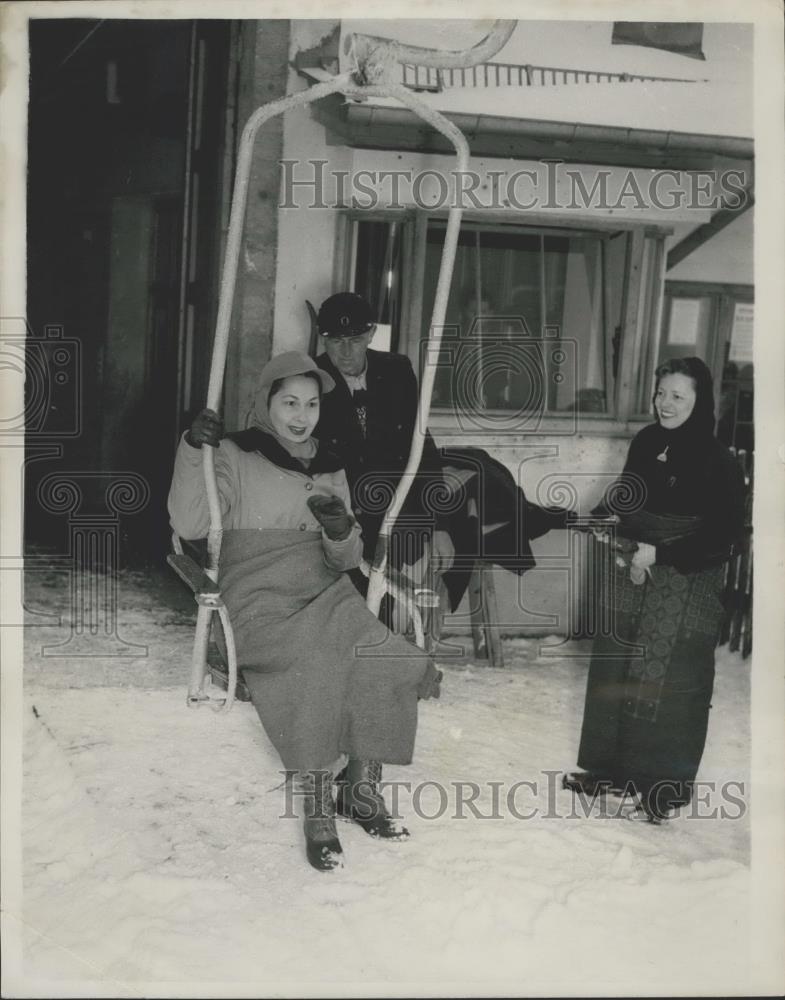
(345, 315)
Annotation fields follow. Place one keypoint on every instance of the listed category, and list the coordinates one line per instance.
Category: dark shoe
(643, 813)
(324, 856)
(322, 847)
(586, 783)
(622, 793)
(360, 800)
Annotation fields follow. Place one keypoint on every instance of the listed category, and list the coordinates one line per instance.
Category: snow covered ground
(155, 861)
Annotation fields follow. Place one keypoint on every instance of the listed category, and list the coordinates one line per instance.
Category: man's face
(348, 353)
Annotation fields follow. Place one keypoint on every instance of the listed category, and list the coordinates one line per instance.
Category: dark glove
(331, 513)
(207, 428)
(430, 685)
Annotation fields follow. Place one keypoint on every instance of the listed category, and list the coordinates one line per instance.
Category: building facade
(608, 224)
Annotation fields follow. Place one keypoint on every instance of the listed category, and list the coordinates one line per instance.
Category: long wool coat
(326, 677)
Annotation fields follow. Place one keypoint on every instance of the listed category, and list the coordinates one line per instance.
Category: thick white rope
(366, 48)
(437, 120)
(232, 255)
(376, 67)
(229, 281)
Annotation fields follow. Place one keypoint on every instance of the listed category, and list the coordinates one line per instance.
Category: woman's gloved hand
(645, 556)
(442, 552)
(333, 516)
(601, 527)
(207, 428)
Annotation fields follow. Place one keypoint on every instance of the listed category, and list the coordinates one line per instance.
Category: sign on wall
(741, 333)
(684, 321)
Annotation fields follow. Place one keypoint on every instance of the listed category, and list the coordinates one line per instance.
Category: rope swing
(373, 60)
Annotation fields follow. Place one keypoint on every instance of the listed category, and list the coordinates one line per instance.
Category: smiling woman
(674, 400)
(294, 406)
(652, 673)
(299, 623)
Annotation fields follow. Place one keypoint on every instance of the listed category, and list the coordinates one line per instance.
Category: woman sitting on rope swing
(325, 676)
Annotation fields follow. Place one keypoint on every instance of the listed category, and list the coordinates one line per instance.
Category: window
(378, 276)
(536, 318)
(528, 319)
(715, 323)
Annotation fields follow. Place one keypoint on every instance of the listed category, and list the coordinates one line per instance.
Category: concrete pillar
(263, 55)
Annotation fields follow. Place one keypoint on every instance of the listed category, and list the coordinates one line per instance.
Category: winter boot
(643, 812)
(322, 846)
(586, 783)
(360, 800)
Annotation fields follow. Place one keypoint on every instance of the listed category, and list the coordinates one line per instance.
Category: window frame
(641, 309)
(722, 297)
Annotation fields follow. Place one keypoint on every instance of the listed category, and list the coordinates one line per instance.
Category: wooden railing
(737, 627)
(512, 75)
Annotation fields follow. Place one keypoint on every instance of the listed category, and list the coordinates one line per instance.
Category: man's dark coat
(374, 464)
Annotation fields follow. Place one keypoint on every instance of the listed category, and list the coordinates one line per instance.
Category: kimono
(651, 674)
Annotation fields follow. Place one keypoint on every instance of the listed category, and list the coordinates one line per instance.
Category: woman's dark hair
(702, 416)
(275, 386)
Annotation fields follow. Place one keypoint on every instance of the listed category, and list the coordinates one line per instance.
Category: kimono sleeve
(723, 521)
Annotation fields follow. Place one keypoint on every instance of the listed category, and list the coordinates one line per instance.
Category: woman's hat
(293, 363)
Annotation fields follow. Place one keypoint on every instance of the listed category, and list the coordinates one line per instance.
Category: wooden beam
(370, 126)
(721, 218)
(630, 331)
(493, 641)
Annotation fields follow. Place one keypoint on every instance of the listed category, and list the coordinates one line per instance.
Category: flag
(685, 38)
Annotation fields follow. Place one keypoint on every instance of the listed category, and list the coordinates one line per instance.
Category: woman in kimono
(678, 507)
(325, 676)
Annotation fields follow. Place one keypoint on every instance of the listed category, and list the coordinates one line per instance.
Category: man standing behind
(369, 421)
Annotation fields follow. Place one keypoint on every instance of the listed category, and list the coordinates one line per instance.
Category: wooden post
(485, 616)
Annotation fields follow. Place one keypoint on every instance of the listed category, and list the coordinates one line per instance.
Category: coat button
(309, 486)
(303, 526)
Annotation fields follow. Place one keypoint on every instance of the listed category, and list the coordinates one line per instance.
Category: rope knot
(374, 63)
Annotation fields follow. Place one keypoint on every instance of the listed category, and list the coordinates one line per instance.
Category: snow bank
(155, 861)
